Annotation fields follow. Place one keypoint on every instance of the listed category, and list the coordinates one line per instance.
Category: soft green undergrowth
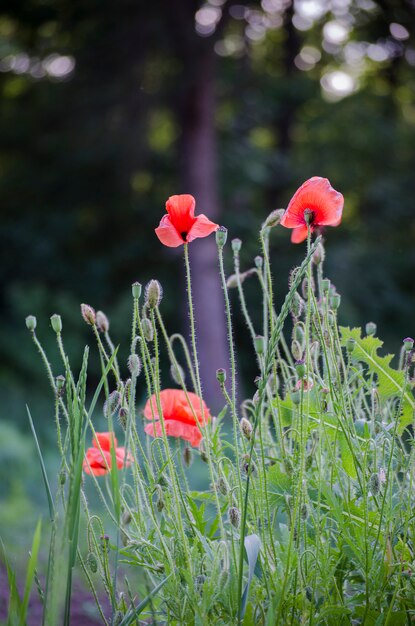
(307, 516)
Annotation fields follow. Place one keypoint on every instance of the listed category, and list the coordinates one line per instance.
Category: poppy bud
(153, 294)
(122, 416)
(259, 343)
(259, 261)
(350, 344)
(222, 486)
(202, 450)
(177, 373)
(288, 466)
(187, 456)
(199, 582)
(295, 397)
(319, 254)
(221, 236)
(136, 289)
(102, 322)
(408, 343)
(248, 466)
(236, 244)
(300, 368)
(112, 403)
(60, 384)
(88, 313)
(298, 333)
(91, 559)
(273, 218)
(370, 328)
(160, 501)
(126, 518)
(297, 305)
(308, 461)
(134, 365)
(296, 350)
(234, 516)
(246, 428)
(304, 511)
(147, 327)
(31, 323)
(374, 484)
(325, 285)
(105, 543)
(221, 376)
(56, 322)
(62, 477)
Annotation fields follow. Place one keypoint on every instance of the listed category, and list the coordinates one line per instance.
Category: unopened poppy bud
(234, 516)
(308, 461)
(187, 456)
(304, 511)
(248, 466)
(56, 322)
(203, 453)
(335, 301)
(221, 236)
(288, 466)
(296, 350)
(246, 428)
(325, 285)
(92, 562)
(177, 373)
(126, 518)
(154, 293)
(350, 344)
(370, 328)
(147, 327)
(102, 322)
(160, 501)
(299, 334)
(60, 384)
(259, 262)
(105, 543)
(88, 313)
(319, 254)
(236, 244)
(221, 376)
(122, 416)
(134, 364)
(112, 403)
(31, 323)
(297, 305)
(300, 368)
(273, 218)
(62, 477)
(374, 484)
(136, 289)
(408, 343)
(222, 486)
(259, 343)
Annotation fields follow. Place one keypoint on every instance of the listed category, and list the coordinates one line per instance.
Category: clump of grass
(307, 515)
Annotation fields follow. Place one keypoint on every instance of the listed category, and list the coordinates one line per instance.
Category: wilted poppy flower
(180, 225)
(98, 462)
(180, 417)
(315, 201)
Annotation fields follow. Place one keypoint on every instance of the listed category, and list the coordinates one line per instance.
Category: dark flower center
(183, 235)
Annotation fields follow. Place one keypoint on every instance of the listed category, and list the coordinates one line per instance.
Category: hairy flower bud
(234, 516)
(297, 305)
(273, 218)
(102, 322)
(246, 428)
(296, 350)
(126, 518)
(177, 373)
(153, 294)
(370, 328)
(56, 322)
(112, 403)
(202, 451)
(374, 484)
(319, 254)
(88, 313)
(122, 416)
(136, 290)
(221, 236)
(222, 486)
(31, 323)
(147, 327)
(187, 456)
(248, 466)
(134, 365)
(60, 384)
(92, 561)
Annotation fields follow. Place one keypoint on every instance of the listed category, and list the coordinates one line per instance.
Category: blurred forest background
(107, 108)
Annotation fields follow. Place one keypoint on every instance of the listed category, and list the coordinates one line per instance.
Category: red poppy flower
(180, 225)
(180, 415)
(317, 196)
(99, 463)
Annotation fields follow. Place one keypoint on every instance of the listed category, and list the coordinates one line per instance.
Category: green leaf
(391, 382)
(279, 486)
(30, 572)
(135, 612)
(346, 457)
(252, 545)
(42, 467)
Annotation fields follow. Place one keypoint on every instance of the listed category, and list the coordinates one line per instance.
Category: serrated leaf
(279, 486)
(346, 457)
(390, 382)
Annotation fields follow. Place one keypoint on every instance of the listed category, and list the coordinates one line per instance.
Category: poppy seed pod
(221, 236)
(31, 322)
(234, 516)
(136, 290)
(335, 301)
(221, 376)
(236, 244)
(300, 368)
(259, 262)
(259, 343)
(88, 313)
(102, 322)
(370, 328)
(56, 322)
(154, 294)
(273, 218)
(325, 285)
(408, 343)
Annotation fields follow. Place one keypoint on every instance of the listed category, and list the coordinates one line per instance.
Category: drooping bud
(288, 466)
(259, 262)
(221, 236)
(126, 518)
(319, 254)
(56, 322)
(203, 453)
(222, 486)
(259, 343)
(134, 365)
(304, 511)
(91, 559)
(153, 294)
(62, 477)
(236, 244)
(31, 323)
(234, 516)
(273, 218)
(187, 456)
(88, 313)
(112, 403)
(374, 484)
(102, 322)
(122, 416)
(147, 327)
(296, 350)
(297, 305)
(246, 428)
(370, 328)
(247, 465)
(136, 290)
(160, 500)
(221, 376)
(408, 343)
(177, 373)
(60, 384)
(299, 334)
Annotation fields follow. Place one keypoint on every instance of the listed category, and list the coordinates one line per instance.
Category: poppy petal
(181, 210)
(299, 234)
(168, 234)
(176, 429)
(175, 406)
(202, 227)
(105, 441)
